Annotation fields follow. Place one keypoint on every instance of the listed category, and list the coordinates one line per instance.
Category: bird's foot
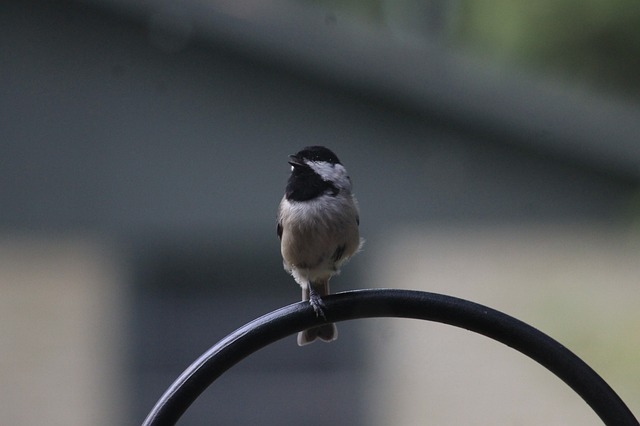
(317, 304)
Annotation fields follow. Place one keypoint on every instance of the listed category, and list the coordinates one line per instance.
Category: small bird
(318, 221)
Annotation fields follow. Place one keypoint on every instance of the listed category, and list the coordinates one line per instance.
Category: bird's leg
(316, 302)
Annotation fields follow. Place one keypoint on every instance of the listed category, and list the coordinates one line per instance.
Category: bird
(318, 226)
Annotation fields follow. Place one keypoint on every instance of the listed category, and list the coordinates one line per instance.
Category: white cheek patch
(335, 173)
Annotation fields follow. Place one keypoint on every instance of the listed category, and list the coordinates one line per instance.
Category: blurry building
(142, 157)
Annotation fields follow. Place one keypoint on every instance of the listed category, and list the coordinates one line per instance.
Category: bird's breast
(318, 233)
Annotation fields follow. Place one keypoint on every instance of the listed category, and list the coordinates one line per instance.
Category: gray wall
(101, 130)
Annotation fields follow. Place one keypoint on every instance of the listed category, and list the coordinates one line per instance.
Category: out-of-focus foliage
(593, 42)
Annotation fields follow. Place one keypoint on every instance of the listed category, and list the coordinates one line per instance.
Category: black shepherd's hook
(391, 303)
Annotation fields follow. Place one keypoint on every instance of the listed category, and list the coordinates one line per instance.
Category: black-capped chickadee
(318, 223)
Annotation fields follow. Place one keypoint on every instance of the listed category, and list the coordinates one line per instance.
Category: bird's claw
(317, 304)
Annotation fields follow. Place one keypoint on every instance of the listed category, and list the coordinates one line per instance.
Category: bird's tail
(325, 332)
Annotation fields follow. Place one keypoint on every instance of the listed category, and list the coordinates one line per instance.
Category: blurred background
(143, 144)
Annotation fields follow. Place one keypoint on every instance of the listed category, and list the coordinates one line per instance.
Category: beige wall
(61, 333)
(579, 285)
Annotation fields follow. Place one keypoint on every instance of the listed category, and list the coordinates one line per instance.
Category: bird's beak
(295, 161)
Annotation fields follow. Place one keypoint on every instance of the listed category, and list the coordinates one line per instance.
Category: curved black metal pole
(391, 303)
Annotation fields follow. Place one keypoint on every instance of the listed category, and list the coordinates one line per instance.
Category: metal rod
(360, 304)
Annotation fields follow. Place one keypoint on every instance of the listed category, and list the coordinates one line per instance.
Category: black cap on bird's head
(308, 177)
(313, 153)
